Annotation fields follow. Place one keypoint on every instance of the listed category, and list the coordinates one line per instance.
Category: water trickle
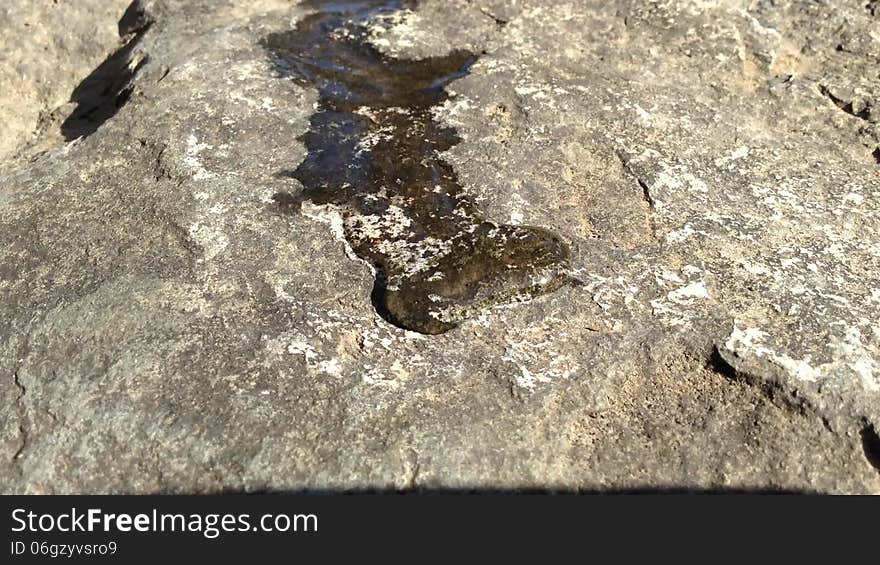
(374, 153)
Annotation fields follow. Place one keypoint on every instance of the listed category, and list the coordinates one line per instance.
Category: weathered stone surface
(710, 164)
(48, 47)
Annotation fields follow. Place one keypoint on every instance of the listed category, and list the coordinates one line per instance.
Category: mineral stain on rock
(375, 154)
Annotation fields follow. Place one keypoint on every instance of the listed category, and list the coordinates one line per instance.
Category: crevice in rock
(22, 429)
(411, 469)
(876, 155)
(109, 87)
(774, 391)
(162, 170)
(871, 445)
(375, 155)
(646, 191)
(845, 105)
(500, 22)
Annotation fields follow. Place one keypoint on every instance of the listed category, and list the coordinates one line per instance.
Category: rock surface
(48, 47)
(712, 165)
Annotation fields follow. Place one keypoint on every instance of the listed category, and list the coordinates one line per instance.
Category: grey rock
(165, 328)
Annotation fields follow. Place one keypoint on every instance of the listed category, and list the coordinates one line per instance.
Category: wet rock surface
(374, 154)
(166, 326)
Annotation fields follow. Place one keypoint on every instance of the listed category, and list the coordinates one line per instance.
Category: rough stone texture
(48, 47)
(164, 328)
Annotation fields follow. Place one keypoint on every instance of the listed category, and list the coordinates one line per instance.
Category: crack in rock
(854, 108)
(627, 164)
(771, 389)
(871, 445)
(500, 22)
(411, 469)
(788, 399)
(375, 155)
(22, 430)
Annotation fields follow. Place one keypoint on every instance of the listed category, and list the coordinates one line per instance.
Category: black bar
(414, 527)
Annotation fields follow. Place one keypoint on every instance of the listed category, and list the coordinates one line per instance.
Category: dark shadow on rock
(871, 445)
(287, 202)
(101, 94)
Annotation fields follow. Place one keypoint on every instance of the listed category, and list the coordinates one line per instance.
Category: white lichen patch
(210, 237)
(191, 158)
(844, 356)
(667, 182)
(297, 345)
(740, 152)
(684, 233)
(394, 31)
(517, 208)
(332, 217)
(688, 294)
(684, 295)
(454, 111)
(373, 138)
(394, 223)
(613, 295)
(535, 360)
(413, 257)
